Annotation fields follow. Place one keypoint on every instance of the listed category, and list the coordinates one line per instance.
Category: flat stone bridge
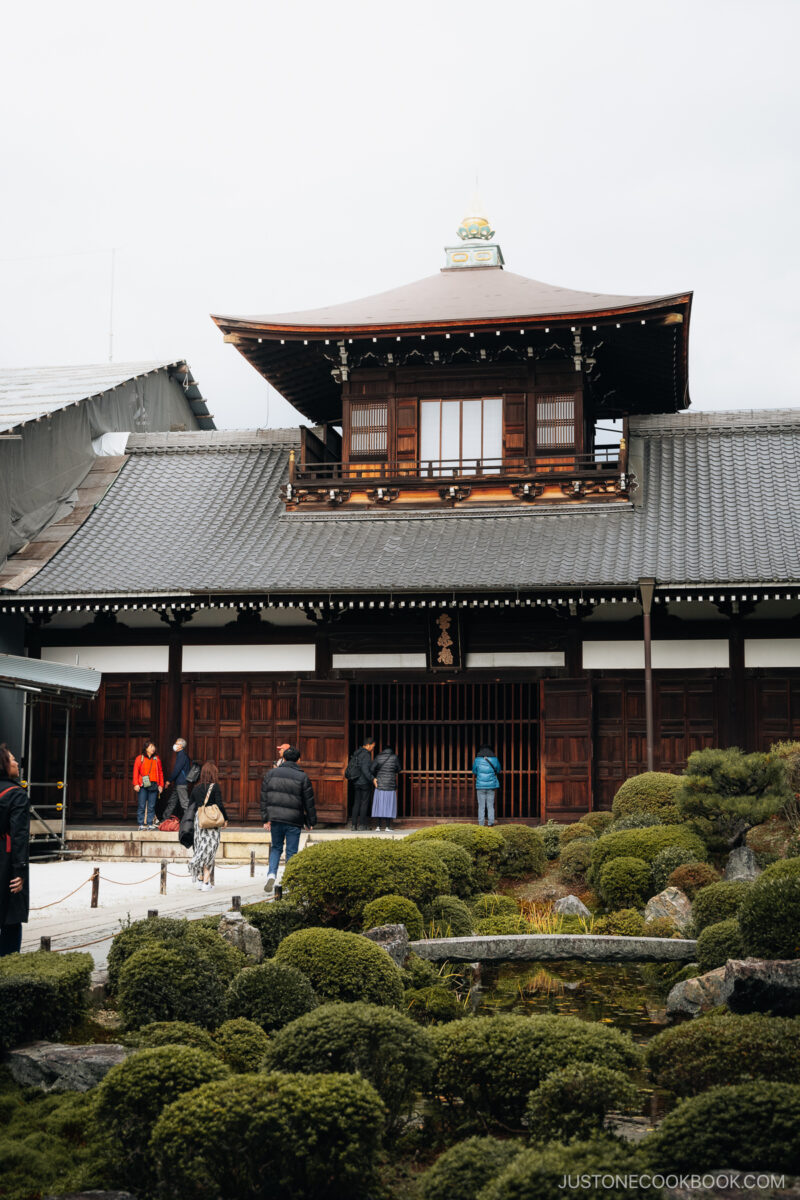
(535, 947)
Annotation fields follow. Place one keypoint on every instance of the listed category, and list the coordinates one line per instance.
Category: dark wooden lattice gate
(436, 729)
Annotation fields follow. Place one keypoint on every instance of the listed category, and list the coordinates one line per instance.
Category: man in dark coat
(287, 804)
(180, 788)
(15, 821)
(362, 786)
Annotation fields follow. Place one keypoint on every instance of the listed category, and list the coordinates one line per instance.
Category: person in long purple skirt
(384, 770)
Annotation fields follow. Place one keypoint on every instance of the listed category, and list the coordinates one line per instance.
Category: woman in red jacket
(148, 783)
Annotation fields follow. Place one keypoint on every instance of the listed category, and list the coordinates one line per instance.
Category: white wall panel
(217, 659)
(772, 652)
(366, 661)
(702, 654)
(516, 658)
(112, 660)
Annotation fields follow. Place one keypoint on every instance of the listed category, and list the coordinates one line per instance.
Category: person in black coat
(385, 770)
(15, 822)
(287, 804)
(362, 786)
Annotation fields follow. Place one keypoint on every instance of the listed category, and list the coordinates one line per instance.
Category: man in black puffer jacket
(287, 804)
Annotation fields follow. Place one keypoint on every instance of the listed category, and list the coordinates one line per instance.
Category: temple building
(499, 524)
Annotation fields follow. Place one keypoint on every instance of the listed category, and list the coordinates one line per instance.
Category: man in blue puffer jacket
(486, 770)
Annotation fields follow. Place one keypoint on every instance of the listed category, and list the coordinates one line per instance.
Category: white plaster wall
(701, 654)
(216, 659)
(772, 652)
(112, 660)
(514, 658)
(365, 661)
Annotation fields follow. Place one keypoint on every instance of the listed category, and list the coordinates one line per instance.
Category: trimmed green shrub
(272, 994)
(665, 862)
(418, 972)
(172, 1033)
(538, 1173)
(485, 847)
(625, 922)
(692, 877)
(343, 966)
(717, 943)
(132, 1095)
(274, 920)
(660, 927)
(574, 833)
(457, 862)
(284, 1136)
(169, 983)
(551, 838)
(42, 994)
(173, 934)
(724, 1048)
(394, 910)
(494, 904)
(653, 792)
(642, 843)
(624, 882)
(733, 790)
(448, 916)
(46, 1143)
(573, 1101)
(503, 923)
(574, 861)
(598, 821)
(433, 1004)
(492, 1063)
(749, 1126)
(770, 918)
(718, 901)
(523, 852)
(241, 1044)
(784, 868)
(642, 820)
(465, 1168)
(384, 1047)
(333, 881)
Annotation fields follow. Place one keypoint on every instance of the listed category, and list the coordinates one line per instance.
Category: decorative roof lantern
(477, 248)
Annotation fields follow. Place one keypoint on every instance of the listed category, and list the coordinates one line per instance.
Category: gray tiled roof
(201, 512)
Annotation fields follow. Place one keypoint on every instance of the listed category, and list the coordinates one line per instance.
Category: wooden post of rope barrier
(278, 893)
(152, 912)
(163, 879)
(252, 864)
(236, 903)
(44, 943)
(211, 876)
(95, 886)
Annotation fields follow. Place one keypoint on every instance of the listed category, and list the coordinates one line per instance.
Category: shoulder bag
(209, 816)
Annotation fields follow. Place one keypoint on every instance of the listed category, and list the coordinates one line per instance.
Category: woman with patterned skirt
(206, 841)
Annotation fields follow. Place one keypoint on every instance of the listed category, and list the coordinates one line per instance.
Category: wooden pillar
(736, 734)
(646, 589)
(174, 673)
(323, 658)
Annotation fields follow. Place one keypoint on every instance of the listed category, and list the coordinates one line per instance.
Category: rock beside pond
(57, 1068)
(571, 906)
(764, 985)
(673, 904)
(742, 864)
(240, 933)
(691, 997)
(393, 939)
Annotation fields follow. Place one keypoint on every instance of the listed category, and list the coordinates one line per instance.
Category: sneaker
(156, 822)
(141, 827)
(206, 887)
(269, 886)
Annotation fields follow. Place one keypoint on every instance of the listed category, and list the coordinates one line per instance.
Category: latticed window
(369, 431)
(555, 422)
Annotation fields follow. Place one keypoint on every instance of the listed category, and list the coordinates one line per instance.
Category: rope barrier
(129, 882)
(41, 907)
(83, 945)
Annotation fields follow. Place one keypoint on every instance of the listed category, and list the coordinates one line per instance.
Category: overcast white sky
(263, 156)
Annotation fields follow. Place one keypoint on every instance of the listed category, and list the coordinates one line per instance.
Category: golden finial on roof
(475, 227)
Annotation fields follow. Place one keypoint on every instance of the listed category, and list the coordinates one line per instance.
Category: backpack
(352, 770)
(193, 774)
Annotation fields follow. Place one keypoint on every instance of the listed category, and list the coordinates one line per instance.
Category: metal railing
(603, 460)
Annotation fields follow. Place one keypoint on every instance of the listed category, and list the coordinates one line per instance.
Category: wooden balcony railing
(550, 474)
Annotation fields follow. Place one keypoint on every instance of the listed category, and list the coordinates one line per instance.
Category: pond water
(629, 996)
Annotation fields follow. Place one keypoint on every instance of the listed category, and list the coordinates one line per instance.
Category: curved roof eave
(474, 296)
